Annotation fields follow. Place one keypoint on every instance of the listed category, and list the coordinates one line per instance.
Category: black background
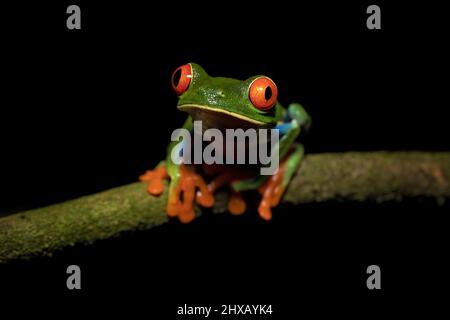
(84, 111)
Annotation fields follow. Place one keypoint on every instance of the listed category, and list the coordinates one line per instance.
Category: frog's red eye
(181, 78)
(263, 93)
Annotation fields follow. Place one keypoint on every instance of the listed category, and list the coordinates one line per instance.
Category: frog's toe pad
(204, 198)
(155, 180)
(264, 210)
(272, 191)
(186, 216)
(236, 204)
(155, 187)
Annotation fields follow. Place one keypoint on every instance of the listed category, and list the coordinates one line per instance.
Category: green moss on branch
(371, 176)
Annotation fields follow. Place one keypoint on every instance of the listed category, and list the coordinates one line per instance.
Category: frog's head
(224, 102)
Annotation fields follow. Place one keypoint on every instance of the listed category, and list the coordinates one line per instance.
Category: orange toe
(186, 217)
(155, 180)
(271, 191)
(236, 204)
(172, 209)
(265, 211)
(146, 176)
(205, 199)
(155, 187)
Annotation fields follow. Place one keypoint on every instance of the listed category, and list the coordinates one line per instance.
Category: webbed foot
(182, 195)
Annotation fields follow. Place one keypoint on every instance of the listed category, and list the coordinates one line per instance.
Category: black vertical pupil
(268, 93)
(176, 77)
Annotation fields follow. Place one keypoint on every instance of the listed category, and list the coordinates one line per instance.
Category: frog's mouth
(220, 118)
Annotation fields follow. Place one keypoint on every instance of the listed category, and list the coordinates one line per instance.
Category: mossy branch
(355, 176)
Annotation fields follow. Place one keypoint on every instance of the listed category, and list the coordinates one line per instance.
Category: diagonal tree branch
(354, 176)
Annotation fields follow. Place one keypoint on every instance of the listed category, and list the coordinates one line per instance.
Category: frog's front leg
(185, 187)
(290, 153)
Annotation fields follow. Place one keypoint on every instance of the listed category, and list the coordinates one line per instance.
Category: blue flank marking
(284, 127)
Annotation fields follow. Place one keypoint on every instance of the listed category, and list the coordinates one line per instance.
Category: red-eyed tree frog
(229, 103)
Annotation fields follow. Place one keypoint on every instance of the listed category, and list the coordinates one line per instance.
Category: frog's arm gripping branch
(295, 119)
(352, 176)
(172, 168)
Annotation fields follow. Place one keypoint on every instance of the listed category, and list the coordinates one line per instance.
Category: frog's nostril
(221, 94)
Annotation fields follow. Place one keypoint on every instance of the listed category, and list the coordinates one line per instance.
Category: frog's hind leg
(248, 184)
(236, 204)
(273, 189)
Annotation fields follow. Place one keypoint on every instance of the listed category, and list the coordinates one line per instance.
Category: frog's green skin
(224, 102)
